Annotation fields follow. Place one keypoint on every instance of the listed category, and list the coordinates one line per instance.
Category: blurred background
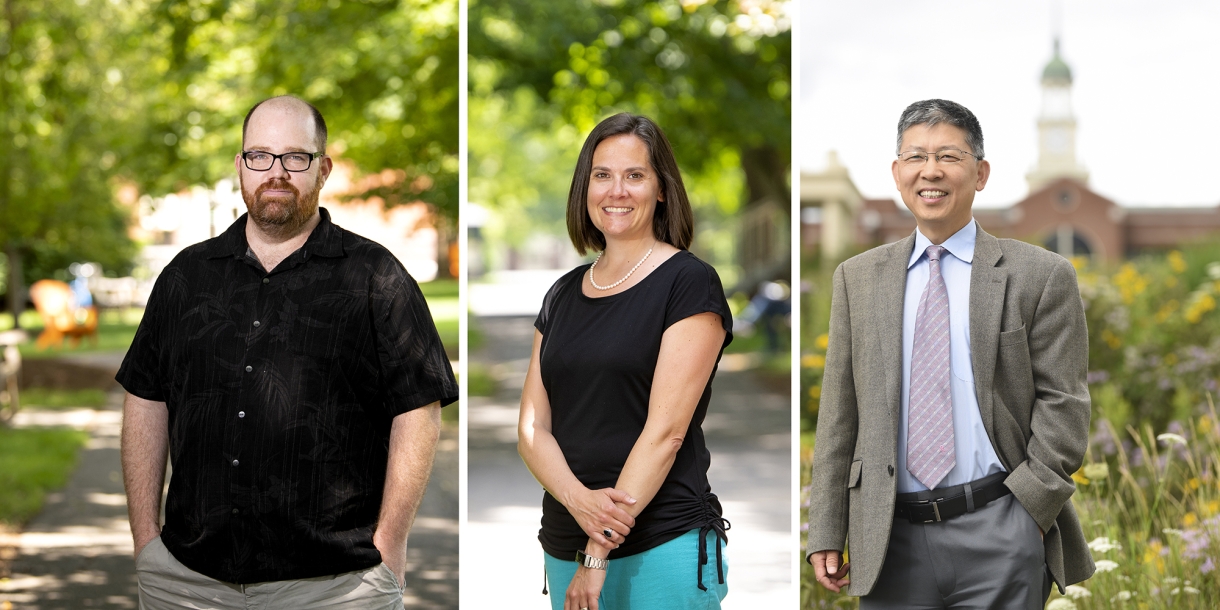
(1099, 127)
(716, 77)
(119, 122)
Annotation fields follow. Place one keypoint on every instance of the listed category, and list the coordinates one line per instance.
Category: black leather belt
(942, 504)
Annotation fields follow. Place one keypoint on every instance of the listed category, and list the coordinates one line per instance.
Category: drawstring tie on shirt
(712, 523)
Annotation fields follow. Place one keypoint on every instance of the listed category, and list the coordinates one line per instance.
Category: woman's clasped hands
(598, 511)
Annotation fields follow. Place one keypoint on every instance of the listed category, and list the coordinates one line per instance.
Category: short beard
(280, 217)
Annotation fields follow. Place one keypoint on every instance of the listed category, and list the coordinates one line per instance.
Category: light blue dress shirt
(975, 456)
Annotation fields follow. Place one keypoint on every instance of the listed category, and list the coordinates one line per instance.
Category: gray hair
(932, 112)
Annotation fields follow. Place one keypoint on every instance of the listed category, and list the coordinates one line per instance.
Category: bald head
(289, 104)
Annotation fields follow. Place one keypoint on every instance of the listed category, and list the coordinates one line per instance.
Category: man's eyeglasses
(259, 161)
(916, 158)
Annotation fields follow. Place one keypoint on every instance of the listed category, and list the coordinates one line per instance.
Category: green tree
(714, 75)
(150, 94)
(56, 195)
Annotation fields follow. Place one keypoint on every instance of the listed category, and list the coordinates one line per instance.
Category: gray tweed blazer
(1030, 355)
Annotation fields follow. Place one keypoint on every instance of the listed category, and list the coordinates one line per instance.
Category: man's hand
(827, 570)
(596, 510)
(393, 555)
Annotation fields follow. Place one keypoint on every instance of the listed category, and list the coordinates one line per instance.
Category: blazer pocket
(853, 476)
(1011, 337)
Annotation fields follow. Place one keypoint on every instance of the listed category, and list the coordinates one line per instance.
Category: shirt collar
(325, 240)
(960, 245)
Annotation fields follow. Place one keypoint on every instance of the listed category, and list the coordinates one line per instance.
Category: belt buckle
(935, 510)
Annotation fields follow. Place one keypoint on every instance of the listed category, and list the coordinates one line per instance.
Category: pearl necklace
(637, 266)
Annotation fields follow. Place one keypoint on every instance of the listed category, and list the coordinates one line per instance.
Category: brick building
(1061, 212)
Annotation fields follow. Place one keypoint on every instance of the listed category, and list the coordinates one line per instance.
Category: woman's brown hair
(672, 222)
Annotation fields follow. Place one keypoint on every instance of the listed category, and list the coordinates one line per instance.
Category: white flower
(1191, 590)
(1105, 565)
(1096, 471)
(1061, 603)
(1170, 580)
(1104, 545)
(1171, 438)
(1122, 596)
(1077, 592)
(1169, 531)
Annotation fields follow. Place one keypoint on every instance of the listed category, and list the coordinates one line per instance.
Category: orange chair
(54, 302)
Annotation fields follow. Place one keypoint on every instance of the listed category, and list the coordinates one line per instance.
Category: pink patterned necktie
(930, 454)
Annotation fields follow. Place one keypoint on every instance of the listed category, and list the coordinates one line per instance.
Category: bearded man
(292, 372)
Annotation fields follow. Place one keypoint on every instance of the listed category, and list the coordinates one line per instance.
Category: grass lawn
(116, 328)
(47, 398)
(442, 297)
(33, 461)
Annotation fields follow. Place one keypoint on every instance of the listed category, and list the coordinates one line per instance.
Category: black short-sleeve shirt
(598, 356)
(281, 388)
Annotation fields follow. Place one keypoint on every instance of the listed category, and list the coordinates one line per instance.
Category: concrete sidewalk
(748, 434)
(77, 552)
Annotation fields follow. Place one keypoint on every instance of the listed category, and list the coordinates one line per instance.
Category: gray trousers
(166, 584)
(992, 558)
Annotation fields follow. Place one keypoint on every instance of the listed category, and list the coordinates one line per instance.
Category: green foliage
(1154, 334)
(148, 96)
(715, 76)
(33, 461)
(383, 72)
(58, 126)
(50, 398)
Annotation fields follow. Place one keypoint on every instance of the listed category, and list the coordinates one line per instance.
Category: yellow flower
(1130, 283)
(1199, 304)
(1166, 310)
(815, 391)
(813, 361)
(1189, 519)
(1079, 477)
(1111, 339)
(1211, 508)
(1176, 262)
(1193, 483)
(822, 341)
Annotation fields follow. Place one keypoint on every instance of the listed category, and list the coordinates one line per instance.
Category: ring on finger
(609, 533)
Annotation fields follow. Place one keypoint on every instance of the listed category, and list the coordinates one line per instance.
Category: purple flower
(1098, 377)
(1207, 566)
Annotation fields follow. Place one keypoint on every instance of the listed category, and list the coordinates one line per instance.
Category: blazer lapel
(988, 283)
(889, 290)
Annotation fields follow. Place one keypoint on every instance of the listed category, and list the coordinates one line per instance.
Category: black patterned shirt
(281, 388)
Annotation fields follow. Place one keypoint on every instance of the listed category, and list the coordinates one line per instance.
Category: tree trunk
(16, 283)
(766, 176)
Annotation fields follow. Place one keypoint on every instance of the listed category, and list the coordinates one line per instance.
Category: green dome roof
(1057, 69)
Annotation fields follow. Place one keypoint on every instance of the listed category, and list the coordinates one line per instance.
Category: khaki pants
(166, 584)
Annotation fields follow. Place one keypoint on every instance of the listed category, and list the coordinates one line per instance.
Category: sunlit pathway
(747, 432)
(77, 552)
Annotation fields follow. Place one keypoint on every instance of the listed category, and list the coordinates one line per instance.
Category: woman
(618, 386)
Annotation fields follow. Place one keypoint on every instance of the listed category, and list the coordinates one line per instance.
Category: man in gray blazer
(945, 447)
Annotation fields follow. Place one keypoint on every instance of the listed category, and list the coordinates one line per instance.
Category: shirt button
(266, 280)
(241, 413)
(257, 324)
(249, 368)
(234, 462)
(235, 511)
